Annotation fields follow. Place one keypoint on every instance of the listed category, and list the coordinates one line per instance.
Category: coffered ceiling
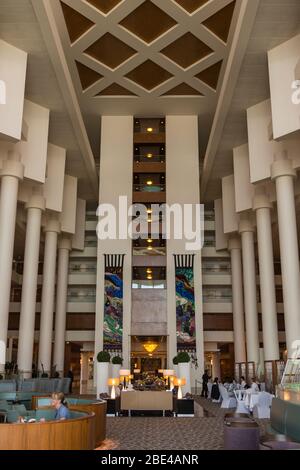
(154, 56)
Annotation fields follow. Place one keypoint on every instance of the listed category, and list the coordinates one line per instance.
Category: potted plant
(117, 361)
(184, 370)
(103, 360)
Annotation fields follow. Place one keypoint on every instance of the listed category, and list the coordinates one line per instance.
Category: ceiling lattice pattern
(137, 48)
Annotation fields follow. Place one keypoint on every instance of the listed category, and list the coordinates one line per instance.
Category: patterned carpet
(203, 432)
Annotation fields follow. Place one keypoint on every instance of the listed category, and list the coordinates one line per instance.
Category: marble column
(284, 175)
(11, 173)
(246, 230)
(35, 207)
(234, 247)
(262, 207)
(64, 248)
(52, 230)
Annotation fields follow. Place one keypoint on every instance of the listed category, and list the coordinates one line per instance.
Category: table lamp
(167, 373)
(113, 382)
(179, 383)
(124, 373)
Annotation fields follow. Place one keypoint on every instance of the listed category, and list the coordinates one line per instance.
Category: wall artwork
(113, 309)
(185, 309)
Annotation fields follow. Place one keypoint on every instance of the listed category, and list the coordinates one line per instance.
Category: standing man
(205, 379)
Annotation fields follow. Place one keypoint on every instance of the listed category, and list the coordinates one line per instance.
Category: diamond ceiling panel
(187, 50)
(148, 22)
(183, 90)
(76, 23)
(115, 90)
(87, 76)
(191, 5)
(211, 75)
(220, 22)
(104, 5)
(149, 75)
(124, 33)
(110, 51)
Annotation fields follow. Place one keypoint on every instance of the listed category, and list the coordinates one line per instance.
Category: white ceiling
(276, 22)
(145, 103)
(19, 27)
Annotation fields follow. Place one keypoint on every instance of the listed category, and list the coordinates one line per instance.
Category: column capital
(52, 225)
(65, 243)
(36, 201)
(282, 168)
(246, 225)
(234, 243)
(12, 166)
(261, 201)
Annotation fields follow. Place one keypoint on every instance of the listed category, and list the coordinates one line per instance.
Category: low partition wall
(80, 404)
(69, 434)
(146, 401)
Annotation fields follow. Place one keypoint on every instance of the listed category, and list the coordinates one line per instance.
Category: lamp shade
(124, 372)
(113, 382)
(179, 382)
(168, 372)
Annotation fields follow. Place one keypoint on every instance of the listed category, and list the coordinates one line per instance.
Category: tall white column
(216, 365)
(234, 246)
(262, 206)
(284, 174)
(64, 248)
(84, 372)
(46, 325)
(9, 350)
(11, 173)
(35, 207)
(246, 230)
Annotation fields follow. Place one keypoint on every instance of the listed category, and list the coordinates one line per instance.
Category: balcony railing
(89, 296)
(216, 270)
(154, 188)
(149, 158)
(149, 251)
(149, 285)
(82, 269)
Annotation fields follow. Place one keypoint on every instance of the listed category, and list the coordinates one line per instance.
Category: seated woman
(61, 406)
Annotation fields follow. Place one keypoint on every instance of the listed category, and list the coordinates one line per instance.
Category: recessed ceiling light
(149, 129)
(149, 277)
(149, 271)
(149, 240)
(149, 211)
(149, 182)
(149, 155)
(149, 221)
(149, 248)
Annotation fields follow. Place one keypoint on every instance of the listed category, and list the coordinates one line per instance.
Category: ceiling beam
(245, 21)
(45, 17)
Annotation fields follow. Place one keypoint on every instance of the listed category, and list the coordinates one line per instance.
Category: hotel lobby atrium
(149, 225)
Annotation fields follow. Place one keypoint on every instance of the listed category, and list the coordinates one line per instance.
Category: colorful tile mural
(113, 309)
(185, 309)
